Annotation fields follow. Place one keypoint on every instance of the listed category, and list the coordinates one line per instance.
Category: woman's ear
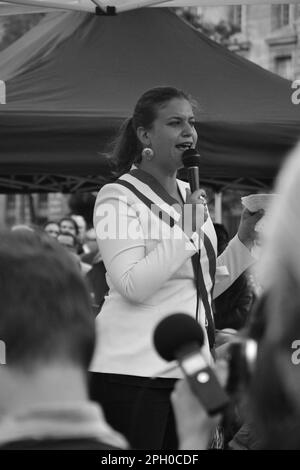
(143, 136)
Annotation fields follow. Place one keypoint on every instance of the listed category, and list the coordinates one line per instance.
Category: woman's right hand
(195, 211)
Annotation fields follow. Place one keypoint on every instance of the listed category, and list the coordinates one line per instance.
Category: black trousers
(137, 407)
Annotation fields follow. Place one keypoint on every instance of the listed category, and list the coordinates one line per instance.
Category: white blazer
(150, 276)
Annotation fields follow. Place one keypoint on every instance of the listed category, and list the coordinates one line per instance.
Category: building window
(283, 67)
(297, 10)
(236, 16)
(43, 201)
(11, 202)
(281, 15)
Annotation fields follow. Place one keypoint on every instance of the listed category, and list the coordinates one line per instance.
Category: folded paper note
(255, 202)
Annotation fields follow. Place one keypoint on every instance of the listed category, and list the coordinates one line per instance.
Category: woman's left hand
(246, 230)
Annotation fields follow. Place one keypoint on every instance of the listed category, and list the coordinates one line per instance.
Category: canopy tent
(73, 79)
(111, 7)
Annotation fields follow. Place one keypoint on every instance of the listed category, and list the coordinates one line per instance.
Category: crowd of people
(71, 232)
(66, 370)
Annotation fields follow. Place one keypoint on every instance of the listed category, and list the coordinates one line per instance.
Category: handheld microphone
(180, 337)
(191, 160)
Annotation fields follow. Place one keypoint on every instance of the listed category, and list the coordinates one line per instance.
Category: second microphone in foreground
(179, 337)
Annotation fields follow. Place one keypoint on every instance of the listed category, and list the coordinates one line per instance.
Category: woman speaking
(159, 260)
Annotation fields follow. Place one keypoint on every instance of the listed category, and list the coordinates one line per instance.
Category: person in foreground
(160, 259)
(274, 389)
(47, 333)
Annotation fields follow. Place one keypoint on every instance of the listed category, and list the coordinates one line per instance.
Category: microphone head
(176, 332)
(191, 157)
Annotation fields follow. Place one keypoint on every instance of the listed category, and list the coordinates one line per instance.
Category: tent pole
(22, 208)
(31, 209)
(218, 207)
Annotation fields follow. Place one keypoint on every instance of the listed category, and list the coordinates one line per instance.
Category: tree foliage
(220, 32)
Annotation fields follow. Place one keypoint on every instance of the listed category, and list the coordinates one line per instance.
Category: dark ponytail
(126, 148)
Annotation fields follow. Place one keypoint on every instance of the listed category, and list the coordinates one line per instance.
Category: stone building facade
(269, 34)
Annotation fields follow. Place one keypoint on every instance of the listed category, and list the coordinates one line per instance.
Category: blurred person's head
(68, 240)
(91, 240)
(275, 388)
(67, 224)
(52, 228)
(46, 322)
(81, 224)
(70, 243)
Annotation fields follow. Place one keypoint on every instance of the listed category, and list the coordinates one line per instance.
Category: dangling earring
(147, 153)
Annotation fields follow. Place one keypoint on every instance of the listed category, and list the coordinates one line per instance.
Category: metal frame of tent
(112, 7)
(48, 183)
(71, 183)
